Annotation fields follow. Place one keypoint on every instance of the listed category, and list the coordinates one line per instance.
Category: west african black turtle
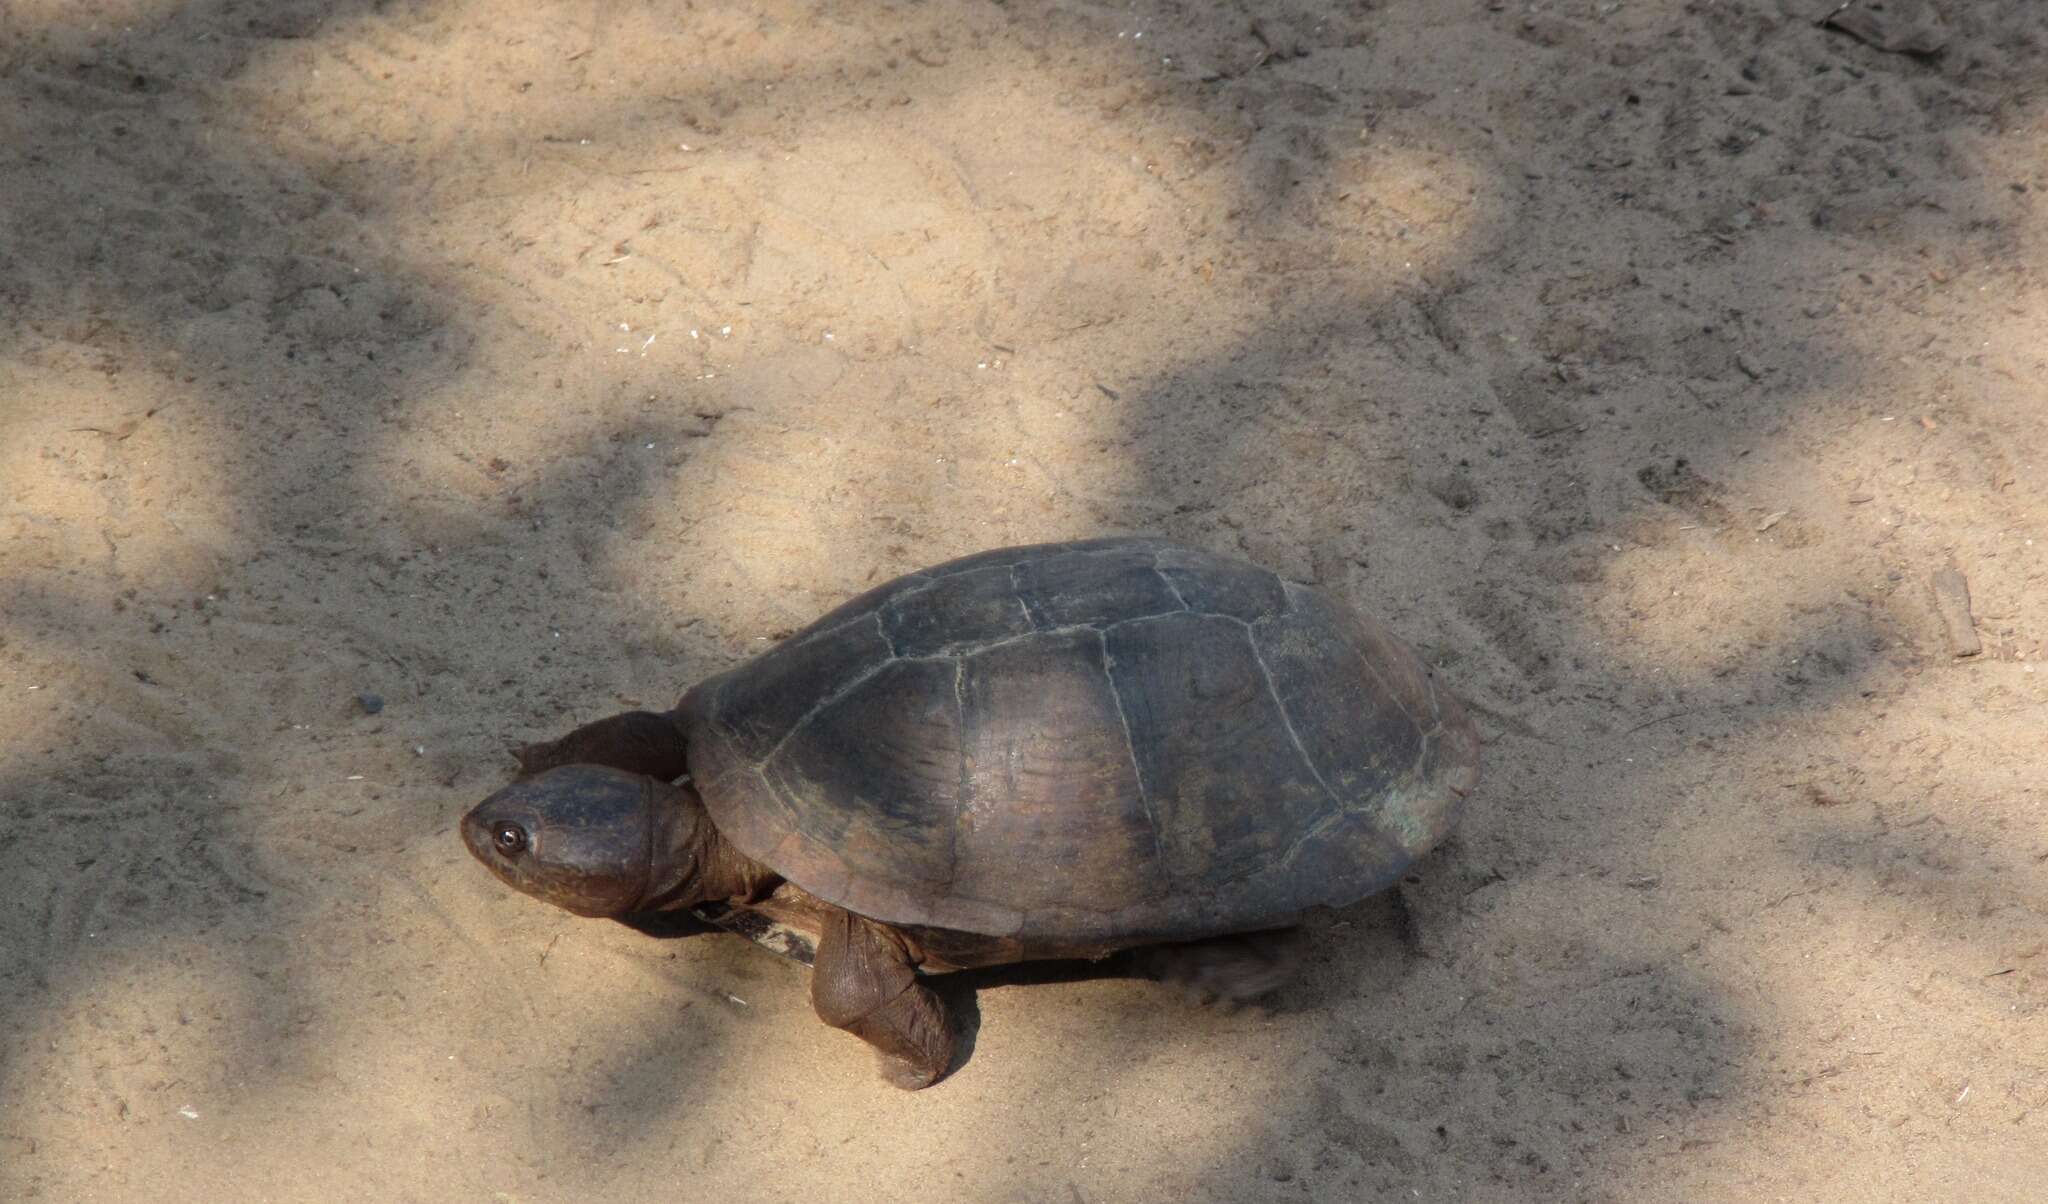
(1040, 752)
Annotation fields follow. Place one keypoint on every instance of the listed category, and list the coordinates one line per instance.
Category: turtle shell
(1111, 741)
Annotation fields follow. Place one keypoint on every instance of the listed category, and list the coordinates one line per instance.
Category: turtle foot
(1231, 971)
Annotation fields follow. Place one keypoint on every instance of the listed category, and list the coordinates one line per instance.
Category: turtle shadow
(1316, 959)
(1317, 962)
(961, 990)
(669, 925)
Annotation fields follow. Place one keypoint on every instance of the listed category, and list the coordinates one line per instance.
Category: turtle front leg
(637, 742)
(862, 981)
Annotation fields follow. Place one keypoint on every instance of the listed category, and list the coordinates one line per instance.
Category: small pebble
(371, 703)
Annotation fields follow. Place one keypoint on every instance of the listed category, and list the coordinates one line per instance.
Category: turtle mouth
(476, 835)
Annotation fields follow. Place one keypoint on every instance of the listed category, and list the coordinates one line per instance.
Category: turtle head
(590, 839)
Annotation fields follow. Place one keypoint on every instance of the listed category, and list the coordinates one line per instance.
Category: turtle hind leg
(1235, 970)
(637, 742)
(862, 981)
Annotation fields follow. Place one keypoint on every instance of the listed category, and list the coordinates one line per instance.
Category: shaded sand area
(1641, 363)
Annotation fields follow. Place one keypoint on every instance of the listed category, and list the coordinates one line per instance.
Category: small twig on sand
(1654, 722)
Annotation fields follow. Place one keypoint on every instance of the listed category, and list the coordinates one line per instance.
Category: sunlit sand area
(385, 383)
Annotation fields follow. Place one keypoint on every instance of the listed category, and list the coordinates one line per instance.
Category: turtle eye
(511, 838)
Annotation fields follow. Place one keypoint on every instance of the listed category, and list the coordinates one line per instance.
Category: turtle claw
(906, 1074)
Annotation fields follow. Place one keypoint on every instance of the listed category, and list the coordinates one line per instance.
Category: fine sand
(1642, 363)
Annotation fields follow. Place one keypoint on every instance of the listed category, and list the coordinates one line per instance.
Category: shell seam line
(959, 650)
(961, 802)
(1167, 581)
(827, 701)
(1421, 769)
(1436, 709)
(1037, 621)
(882, 629)
(1391, 696)
(1131, 746)
(835, 629)
(1251, 638)
(856, 683)
(1314, 830)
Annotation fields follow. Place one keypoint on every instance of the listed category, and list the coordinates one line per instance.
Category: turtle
(1051, 751)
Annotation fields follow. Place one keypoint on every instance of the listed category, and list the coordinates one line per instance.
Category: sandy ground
(1640, 362)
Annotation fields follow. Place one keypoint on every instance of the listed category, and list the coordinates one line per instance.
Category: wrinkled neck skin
(690, 863)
